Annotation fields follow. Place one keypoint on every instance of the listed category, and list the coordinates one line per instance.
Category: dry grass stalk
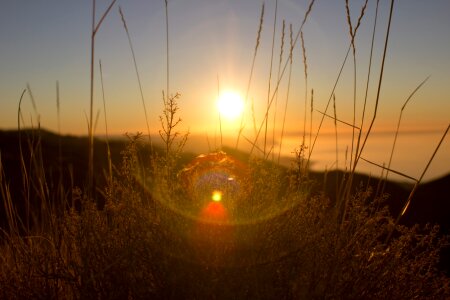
(25, 181)
(416, 185)
(220, 115)
(398, 127)
(258, 38)
(95, 28)
(33, 102)
(337, 120)
(106, 124)
(137, 75)
(305, 68)
(269, 102)
(281, 76)
(167, 49)
(291, 49)
(311, 121)
(311, 148)
(276, 97)
(337, 147)
(169, 122)
(60, 191)
(352, 38)
(389, 169)
(408, 202)
(380, 80)
(358, 155)
(358, 142)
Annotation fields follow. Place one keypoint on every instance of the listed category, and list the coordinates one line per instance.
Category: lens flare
(214, 208)
(214, 176)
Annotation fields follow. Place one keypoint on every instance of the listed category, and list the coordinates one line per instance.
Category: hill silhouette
(65, 162)
(68, 155)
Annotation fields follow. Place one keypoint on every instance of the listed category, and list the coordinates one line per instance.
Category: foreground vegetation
(277, 241)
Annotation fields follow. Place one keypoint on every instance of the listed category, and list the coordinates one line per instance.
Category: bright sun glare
(216, 196)
(230, 105)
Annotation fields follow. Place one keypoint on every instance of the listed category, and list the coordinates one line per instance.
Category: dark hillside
(64, 161)
(431, 203)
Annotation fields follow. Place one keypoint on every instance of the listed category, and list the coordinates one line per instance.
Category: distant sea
(412, 152)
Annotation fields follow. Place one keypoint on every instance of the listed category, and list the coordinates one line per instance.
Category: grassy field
(90, 219)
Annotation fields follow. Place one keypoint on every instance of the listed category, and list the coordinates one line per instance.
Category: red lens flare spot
(214, 212)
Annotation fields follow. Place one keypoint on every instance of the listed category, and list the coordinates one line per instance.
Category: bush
(279, 241)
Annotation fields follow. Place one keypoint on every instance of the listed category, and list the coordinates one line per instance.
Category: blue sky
(44, 41)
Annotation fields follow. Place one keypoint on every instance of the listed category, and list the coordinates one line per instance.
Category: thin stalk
(94, 31)
(281, 76)
(380, 80)
(388, 30)
(255, 146)
(33, 102)
(408, 202)
(305, 67)
(10, 212)
(137, 76)
(354, 105)
(288, 90)
(270, 76)
(258, 37)
(276, 97)
(91, 110)
(311, 122)
(167, 48)
(328, 103)
(337, 120)
(352, 36)
(220, 115)
(367, 82)
(337, 148)
(97, 116)
(389, 169)
(58, 112)
(106, 124)
(25, 180)
(398, 128)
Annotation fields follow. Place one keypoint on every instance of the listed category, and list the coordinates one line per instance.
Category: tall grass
(110, 173)
(398, 125)
(138, 77)
(270, 76)
(258, 38)
(280, 60)
(305, 71)
(94, 30)
(291, 49)
(269, 104)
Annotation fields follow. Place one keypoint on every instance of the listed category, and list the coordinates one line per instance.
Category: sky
(211, 48)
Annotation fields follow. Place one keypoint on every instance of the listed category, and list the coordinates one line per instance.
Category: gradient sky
(48, 40)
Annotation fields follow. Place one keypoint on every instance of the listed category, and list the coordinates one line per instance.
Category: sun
(230, 105)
